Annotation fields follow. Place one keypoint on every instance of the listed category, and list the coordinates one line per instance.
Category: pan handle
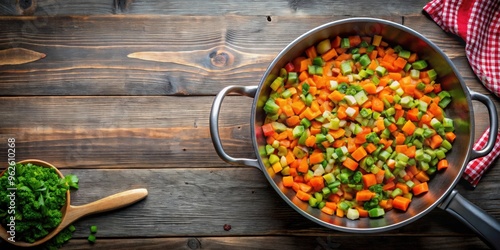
(214, 124)
(492, 111)
(487, 227)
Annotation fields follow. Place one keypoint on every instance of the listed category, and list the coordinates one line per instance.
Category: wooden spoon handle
(109, 203)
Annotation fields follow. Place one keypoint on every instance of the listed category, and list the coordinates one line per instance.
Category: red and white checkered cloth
(478, 23)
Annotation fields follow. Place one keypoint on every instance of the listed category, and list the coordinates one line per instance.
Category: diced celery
(422, 106)
(446, 144)
(323, 46)
(305, 122)
(415, 74)
(406, 101)
(419, 65)
(365, 60)
(404, 54)
(376, 212)
(352, 214)
(350, 99)
(381, 71)
(360, 97)
(345, 68)
(350, 111)
(394, 85)
(365, 113)
(435, 123)
(292, 78)
(333, 85)
(345, 43)
(432, 74)
(297, 131)
(278, 82)
(318, 61)
(269, 149)
(271, 107)
(384, 155)
(273, 159)
(396, 192)
(313, 202)
(329, 178)
(279, 127)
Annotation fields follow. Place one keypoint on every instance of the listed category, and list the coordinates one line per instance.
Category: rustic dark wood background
(119, 93)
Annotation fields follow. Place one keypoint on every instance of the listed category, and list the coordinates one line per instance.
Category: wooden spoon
(73, 213)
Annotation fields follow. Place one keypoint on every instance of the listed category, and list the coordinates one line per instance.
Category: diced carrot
(336, 42)
(370, 88)
(359, 154)
(317, 182)
(350, 164)
(337, 133)
(354, 40)
(413, 57)
(303, 195)
(410, 152)
(341, 112)
(370, 148)
(436, 141)
(405, 188)
(362, 212)
(327, 210)
(288, 181)
(379, 176)
(400, 63)
(303, 166)
(450, 136)
(401, 148)
(412, 114)
(364, 195)
(377, 105)
(386, 204)
(329, 55)
(409, 128)
(340, 213)
(401, 203)
(304, 64)
(389, 186)
(331, 204)
(311, 141)
(395, 76)
(267, 129)
(298, 106)
(369, 180)
(311, 52)
(336, 96)
(316, 157)
(293, 121)
(420, 188)
(442, 164)
(422, 176)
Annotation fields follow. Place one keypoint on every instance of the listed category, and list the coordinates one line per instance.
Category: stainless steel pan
(442, 193)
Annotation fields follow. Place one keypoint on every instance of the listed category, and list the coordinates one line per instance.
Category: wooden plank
(189, 59)
(241, 7)
(284, 242)
(124, 132)
(198, 202)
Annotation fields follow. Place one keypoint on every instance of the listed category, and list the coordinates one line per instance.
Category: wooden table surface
(119, 93)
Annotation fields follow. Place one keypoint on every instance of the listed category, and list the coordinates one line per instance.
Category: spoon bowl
(72, 213)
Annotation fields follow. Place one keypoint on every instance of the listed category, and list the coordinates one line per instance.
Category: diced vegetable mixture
(356, 127)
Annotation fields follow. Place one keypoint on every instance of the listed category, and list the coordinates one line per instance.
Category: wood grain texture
(240, 7)
(123, 97)
(321, 242)
(194, 60)
(123, 132)
(191, 203)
